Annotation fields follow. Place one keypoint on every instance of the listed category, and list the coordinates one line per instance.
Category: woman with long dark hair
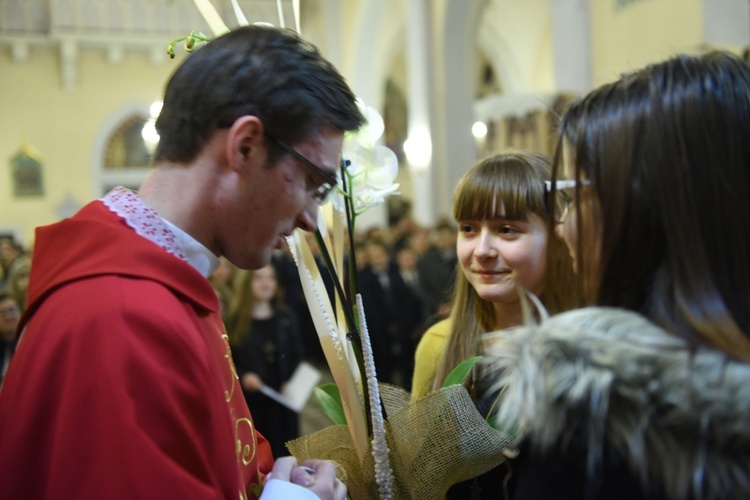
(644, 395)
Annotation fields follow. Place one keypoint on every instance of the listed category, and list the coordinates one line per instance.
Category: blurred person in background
(9, 251)
(18, 279)
(10, 315)
(436, 268)
(266, 348)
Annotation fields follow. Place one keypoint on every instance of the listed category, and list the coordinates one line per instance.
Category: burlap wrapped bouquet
(435, 442)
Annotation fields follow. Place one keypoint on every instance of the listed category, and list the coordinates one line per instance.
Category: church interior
(453, 79)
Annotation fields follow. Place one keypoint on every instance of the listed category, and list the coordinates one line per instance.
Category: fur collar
(679, 416)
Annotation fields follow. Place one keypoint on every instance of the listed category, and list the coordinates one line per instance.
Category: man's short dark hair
(267, 72)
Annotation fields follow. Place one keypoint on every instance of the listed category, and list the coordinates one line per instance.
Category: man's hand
(317, 476)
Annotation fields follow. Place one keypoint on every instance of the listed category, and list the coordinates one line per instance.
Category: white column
(333, 22)
(364, 65)
(571, 43)
(726, 22)
(419, 147)
(457, 149)
(68, 63)
(20, 50)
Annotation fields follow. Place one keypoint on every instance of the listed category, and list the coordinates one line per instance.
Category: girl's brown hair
(240, 317)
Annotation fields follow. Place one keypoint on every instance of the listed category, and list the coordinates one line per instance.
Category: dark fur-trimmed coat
(605, 402)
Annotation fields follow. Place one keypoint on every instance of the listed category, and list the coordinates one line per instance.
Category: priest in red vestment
(122, 385)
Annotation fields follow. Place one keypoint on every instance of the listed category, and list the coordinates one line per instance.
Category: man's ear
(246, 142)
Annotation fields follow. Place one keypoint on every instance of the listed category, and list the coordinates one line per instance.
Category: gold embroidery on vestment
(255, 489)
(229, 394)
(245, 450)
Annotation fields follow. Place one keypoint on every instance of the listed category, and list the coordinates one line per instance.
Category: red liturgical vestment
(123, 385)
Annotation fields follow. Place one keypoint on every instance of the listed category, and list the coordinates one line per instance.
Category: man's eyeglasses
(329, 180)
(563, 200)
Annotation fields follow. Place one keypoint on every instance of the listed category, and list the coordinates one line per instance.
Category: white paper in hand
(299, 388)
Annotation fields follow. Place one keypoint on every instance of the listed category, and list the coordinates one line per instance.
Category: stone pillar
(455, 147)
(571, 35)
(333, 22)
(420, 130)
(68, 63)
(726, 22)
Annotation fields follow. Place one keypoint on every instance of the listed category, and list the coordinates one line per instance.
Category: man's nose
(308, 218)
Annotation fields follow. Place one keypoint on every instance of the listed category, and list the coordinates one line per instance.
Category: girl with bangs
(504, 254)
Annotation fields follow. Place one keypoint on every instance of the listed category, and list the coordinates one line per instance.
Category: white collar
(146, 222)
(197, 255)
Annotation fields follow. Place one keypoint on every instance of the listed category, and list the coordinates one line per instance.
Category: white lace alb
(143, 219)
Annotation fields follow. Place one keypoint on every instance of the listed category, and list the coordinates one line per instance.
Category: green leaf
(329, 399)
(460, 372)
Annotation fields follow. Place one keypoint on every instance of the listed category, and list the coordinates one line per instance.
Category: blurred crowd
(15, 264)
(405, 275)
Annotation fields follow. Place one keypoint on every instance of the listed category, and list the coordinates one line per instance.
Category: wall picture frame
(26, 168)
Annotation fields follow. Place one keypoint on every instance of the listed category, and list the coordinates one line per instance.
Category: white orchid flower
(368, 198)
(376, 167)
(371, 175)
(368, 134)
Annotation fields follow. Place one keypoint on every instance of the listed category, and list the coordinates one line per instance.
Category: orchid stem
(350, 218)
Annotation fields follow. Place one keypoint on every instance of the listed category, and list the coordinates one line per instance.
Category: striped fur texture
(679, 416)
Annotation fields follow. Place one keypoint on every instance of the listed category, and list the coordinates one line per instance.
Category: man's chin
(257, 259)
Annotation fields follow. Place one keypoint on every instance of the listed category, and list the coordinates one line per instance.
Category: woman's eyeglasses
(563, 200)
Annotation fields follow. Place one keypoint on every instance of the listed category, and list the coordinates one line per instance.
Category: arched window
(126, 148)
(121, 156)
